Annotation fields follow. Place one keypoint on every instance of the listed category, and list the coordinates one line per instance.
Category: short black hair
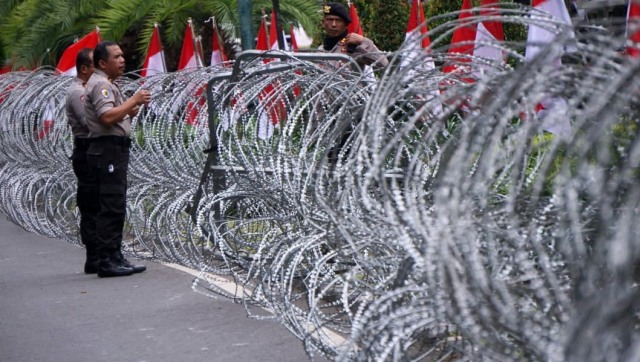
(101, 52)
(83, 58)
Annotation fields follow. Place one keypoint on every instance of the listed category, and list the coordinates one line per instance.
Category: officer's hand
(134, 111)
(142, 96)
(354, 38)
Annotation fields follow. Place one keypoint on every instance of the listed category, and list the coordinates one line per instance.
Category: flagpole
(194, 43)
(164, 62)
(214, 33)
(266, 30)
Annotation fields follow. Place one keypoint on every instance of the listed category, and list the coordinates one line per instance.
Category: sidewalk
(51, 311)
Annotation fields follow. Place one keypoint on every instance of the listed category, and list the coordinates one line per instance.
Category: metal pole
(246, 32)
(276, 8)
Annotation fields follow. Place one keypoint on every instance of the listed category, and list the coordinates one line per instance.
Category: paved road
(51, 311)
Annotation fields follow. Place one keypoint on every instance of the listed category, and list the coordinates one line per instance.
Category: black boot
(136, 268)
(91, 264)
(111, 267)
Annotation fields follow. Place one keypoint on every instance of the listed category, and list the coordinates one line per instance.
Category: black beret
(337, 9)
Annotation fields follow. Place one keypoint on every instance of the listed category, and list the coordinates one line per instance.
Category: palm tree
(127, 15)
(36, 32)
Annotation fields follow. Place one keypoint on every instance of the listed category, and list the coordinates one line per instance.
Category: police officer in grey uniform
(74, 108)
(337, 39)
(108, 117)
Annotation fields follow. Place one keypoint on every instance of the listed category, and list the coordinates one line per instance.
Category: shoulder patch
(105, 92)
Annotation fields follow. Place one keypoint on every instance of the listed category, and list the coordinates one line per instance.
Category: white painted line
(234, 289)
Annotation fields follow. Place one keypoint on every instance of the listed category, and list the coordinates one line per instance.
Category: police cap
(337, 9)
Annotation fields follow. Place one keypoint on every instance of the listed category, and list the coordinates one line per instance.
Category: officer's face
(114, 66)
(88, 69)
(333, 25)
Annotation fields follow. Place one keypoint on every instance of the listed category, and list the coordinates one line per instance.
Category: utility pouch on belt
(94, 153)
(95, 149)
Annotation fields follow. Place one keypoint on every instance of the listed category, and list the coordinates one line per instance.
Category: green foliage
(620, 140)
(36, 32)
(387, 24)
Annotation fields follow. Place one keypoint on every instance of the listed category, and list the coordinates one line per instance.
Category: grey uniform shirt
(100, 96)
(74, 107)
(367, 53)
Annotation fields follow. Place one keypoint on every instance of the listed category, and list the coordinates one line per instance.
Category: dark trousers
(86, 194)
(108, 156)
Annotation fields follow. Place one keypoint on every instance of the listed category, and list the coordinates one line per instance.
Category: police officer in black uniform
(74, 109)
(108, 117)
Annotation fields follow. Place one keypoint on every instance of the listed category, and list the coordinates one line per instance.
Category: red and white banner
(67, 63)
(154, 62)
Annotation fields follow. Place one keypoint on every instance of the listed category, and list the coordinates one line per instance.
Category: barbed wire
(425, 215)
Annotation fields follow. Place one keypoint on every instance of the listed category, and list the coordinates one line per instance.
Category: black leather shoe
(91, 263)
(90, 267)
(111, 268)
(139, 268)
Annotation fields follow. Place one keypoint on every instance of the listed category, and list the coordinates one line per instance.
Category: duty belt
(114, 140)
(81, 142)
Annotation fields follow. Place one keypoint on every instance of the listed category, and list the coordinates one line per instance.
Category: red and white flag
(538, 37)
(463, 40)
(262, 41)
(633, 28)
(272, 106)
(192, 112)
(416, 19)
(47, 121)
(551, 110)
(154, 62)
(218, 55)
(354, 26)
(489, 32)
(67, 63)
(189, 56)
(273, 33)
(417, 42)
(294, 42)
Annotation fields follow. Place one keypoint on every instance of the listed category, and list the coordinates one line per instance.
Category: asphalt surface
(51, 311)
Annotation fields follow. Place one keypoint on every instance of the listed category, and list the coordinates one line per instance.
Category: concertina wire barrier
(422, 215)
